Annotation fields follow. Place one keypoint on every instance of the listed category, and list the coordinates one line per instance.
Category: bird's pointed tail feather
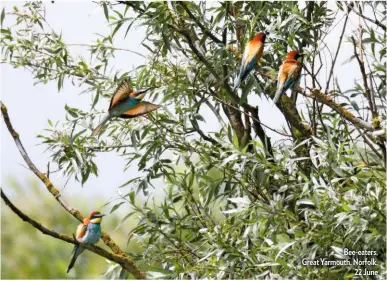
(98, 129)
(277, 95)
(76, 252)
(237, 82)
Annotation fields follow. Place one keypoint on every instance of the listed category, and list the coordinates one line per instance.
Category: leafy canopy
(235, 204)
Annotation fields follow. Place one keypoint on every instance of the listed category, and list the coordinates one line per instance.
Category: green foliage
(230, 205)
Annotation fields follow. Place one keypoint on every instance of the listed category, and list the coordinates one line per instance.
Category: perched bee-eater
(251, 56)
(289, 74)
(126, 103)
(87, 232)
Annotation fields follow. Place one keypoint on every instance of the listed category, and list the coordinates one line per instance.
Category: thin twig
(364, 76)
(378, 23)
(337, 53)
(252, 117)
(108, 47)
(367, 141)
(201, 26)
(104, 148)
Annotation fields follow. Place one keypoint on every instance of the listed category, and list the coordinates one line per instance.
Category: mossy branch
(124, 261)
(345, 113)
(55, 192)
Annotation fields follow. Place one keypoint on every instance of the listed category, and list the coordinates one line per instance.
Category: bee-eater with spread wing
(251, 56)
(289, 74)
(126, 103)
(87, 232)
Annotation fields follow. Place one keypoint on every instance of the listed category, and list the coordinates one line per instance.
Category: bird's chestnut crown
(96, 217)
(261, 36)
(96, 214)
(294, 55)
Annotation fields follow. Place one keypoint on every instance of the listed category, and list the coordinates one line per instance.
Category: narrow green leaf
(5, 31)
(235, 140)
(105, 11)
(2, 16)
(116, 206)
(117, 28)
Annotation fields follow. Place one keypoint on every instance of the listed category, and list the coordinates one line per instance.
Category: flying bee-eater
(126, 103)
(87, 232)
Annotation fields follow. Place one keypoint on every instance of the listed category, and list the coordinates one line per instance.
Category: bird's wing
(140, 109)
(81, 231)
(122, 92)
(289, 73)
(251, 51)
(244, 56)
(249, 60)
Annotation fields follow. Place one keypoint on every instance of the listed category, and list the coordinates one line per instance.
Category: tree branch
(233, 115)
(365, 83)
(327, 100)
(55, 192)
(378, 23)
(249, 109)
(260, 131)
(309, 11)
(337, 53)
(204, 29)
(124, 261)
(323, 98)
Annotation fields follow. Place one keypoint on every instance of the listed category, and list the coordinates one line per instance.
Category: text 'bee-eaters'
(87, 232)
(126, 103)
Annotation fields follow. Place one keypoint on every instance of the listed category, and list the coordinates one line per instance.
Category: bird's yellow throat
(96, 220)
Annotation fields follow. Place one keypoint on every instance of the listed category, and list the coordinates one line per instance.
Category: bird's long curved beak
(141, 93)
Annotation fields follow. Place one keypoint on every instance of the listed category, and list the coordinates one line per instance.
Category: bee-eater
(289, 74)
(126, 103)
(87, 232)
(251, 56)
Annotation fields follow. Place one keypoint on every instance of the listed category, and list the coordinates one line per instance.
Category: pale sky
(30, 106)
